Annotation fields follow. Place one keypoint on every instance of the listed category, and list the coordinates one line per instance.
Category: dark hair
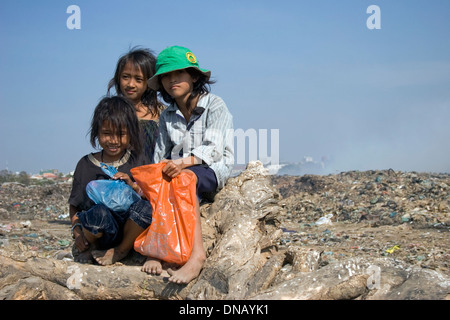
(122, 114)
(201, 86)
(145, 60)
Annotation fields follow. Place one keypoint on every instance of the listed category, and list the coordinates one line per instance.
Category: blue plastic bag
(114, 194)
(109, 170)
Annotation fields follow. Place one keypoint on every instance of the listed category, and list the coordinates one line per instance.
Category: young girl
(196, 133)
(130, 80)
(100, 233)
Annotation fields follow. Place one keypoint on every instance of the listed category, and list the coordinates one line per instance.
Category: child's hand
(123, 176)
(81, 242)
(172, 168)
(127, 179)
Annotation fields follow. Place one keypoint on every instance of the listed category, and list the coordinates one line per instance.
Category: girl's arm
(163, 143)
(73, 217)
(216, 134)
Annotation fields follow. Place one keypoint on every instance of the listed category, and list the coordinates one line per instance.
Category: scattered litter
(392, 249)
(63, 216)
(325, 220)
(64, 243)
(32, 235)
(26, 224)
(377, 213)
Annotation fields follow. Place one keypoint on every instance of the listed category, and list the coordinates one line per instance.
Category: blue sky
(365, 98)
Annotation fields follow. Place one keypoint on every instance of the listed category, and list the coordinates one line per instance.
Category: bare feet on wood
(152, 266)
(107, 257)
(188, 271)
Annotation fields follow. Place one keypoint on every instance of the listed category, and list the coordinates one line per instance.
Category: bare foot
(152, 266)
(107, 257)
(187, 272)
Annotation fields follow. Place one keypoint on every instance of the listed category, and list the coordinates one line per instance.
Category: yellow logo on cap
(190, 56)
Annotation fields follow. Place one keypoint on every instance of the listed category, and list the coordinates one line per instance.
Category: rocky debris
(353, 235)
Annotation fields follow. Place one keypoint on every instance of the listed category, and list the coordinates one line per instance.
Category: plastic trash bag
(325, 220)
(170, 237)
(109, 170)
(115, 194)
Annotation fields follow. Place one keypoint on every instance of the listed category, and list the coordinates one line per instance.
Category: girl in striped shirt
(196, 134)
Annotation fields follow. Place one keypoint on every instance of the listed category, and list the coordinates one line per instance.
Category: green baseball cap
(174, 58)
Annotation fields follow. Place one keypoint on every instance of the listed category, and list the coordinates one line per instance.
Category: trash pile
(405, 215)
(378, 213)
(34, 220)
(379, 197)
(297, 236)
(18, 201)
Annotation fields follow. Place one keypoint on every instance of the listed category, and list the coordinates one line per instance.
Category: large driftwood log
(362, 278)
(243, 214)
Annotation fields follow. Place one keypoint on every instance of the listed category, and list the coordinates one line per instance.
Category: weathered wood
(263, 278)
(86, 281)
(303, 259)
(361, 278)
(237, 212)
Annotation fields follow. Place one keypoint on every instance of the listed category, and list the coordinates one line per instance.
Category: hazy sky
(314, 70)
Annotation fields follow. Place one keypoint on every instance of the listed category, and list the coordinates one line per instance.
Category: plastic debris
(64, 243)
(109, 170)
(392, 249)
(325, 220)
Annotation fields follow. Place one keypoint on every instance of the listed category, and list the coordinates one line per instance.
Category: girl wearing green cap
(196, 134)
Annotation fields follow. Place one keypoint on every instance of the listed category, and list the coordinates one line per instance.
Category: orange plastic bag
(170, 236)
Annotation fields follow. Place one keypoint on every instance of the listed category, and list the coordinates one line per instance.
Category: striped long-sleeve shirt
(208, 135)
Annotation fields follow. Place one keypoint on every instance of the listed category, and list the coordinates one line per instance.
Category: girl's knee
(96, 218)
(100, 211)
(141, 213)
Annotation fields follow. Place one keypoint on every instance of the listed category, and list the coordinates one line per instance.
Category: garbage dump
(376, 212)
(377, 234)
